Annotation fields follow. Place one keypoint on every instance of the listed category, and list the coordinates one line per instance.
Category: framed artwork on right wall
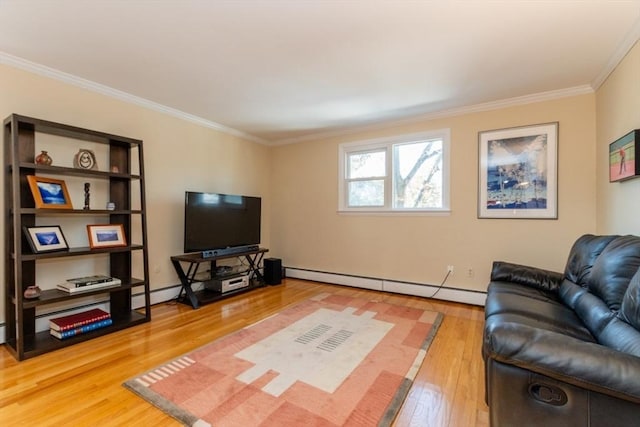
(518, 172)
(623, 161)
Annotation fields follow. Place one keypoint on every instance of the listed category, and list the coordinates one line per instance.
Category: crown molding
(52, 73)
(623, 49)
(486, 106)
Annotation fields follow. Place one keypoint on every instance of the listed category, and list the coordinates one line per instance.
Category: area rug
(327, 361)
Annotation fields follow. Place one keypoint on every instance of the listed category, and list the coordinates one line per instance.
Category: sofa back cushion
(613, 270)
(630, 309)
(583, 255)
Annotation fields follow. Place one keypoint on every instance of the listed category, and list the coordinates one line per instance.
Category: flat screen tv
(218, 221)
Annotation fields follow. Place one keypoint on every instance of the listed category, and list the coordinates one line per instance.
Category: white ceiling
(285, 70)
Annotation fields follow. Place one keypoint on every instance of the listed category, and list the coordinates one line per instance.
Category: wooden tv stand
(194, 260)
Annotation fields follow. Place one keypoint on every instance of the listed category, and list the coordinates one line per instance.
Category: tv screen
(217, 221)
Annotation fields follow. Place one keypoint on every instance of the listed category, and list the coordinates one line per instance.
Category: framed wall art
(106, 235)
(518, 172)
(623, 162)
(45, 238)
(49, 193)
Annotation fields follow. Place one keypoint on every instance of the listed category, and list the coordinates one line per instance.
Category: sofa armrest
(524, 275)
(584, 364)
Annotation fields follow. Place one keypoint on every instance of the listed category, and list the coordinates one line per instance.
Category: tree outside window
(417, 174)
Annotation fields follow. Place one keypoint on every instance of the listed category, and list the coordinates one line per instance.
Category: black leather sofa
(564, 349)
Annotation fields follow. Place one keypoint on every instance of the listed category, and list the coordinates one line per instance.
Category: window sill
(379, 212)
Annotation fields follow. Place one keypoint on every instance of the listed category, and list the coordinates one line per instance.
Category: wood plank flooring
(81, 385)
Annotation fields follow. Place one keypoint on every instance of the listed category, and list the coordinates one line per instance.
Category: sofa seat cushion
(539, 308)
(568, 325)
(511, 302)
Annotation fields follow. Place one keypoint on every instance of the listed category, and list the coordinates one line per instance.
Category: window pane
(366, 193)
(366, 165)
(417, 175)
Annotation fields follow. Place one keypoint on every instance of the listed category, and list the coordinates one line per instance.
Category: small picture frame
(624, 162)
(106, 235)
(47, 238)
(49, 193)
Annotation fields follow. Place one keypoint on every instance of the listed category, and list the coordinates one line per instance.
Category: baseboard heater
(417, 289)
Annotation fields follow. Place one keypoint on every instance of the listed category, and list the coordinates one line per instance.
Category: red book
(76, 320)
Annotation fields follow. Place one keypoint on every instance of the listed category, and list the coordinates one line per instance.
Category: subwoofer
(272, 271)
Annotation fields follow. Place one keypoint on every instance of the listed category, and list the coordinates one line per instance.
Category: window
(401, 174)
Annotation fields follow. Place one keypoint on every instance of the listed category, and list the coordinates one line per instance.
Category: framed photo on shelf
(518, 172)
(49, 193)
(46, 238)
(106, 235)
(623, 162)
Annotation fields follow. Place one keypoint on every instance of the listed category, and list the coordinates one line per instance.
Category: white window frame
(387, 144)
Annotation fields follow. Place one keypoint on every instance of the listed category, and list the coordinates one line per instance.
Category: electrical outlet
(450, 269)
(470, 272)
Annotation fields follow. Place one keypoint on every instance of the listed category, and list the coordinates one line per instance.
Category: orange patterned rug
(328, 361)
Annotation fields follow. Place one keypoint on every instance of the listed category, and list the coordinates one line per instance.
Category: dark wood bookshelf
(20, 152)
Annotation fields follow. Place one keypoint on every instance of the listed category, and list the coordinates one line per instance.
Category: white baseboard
(417, 289)
(157, 297)
(336, 279)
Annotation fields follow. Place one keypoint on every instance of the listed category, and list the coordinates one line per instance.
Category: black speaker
(272, 271)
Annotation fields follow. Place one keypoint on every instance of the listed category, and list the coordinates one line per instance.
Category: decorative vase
(43, 158)
(32, 292)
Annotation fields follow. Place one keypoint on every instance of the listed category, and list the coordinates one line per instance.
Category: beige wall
(618, 113)
(178, 155)
(307, 231)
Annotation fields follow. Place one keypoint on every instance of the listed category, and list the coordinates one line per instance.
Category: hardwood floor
(81, 385)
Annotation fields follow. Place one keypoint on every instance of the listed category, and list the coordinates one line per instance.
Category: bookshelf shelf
(80, 251)
(44, 342)
(50, 296)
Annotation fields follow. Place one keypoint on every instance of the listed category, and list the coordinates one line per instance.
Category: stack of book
(79, 323)
(88, 283)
